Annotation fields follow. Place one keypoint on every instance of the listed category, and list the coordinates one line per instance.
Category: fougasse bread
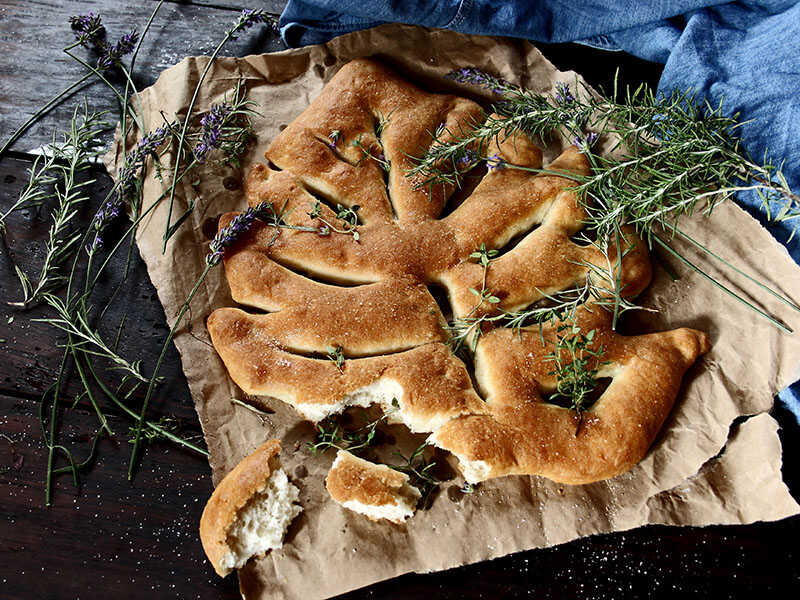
(370, 296)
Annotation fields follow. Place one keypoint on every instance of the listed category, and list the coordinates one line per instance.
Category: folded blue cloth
(746, 54)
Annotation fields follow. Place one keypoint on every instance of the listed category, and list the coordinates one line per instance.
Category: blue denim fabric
(746, 54)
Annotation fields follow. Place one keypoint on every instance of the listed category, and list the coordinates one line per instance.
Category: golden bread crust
(230, 496)
(525, 435)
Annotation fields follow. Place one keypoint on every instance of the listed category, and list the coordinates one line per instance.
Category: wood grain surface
(111, 537)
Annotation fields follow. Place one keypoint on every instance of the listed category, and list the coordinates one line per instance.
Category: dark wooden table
(115, 538)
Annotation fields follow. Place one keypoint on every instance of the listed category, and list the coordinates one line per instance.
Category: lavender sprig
(111, 54)
(228, 235)
(495, 162)
(563, 93)
(226, 127)
(91, 34)
(333, 139)
(211, 126)
(585, 143)
(224, 239)
(477, 77)
(466, 159)
(250, 17)
(128, 181)
(246, 20)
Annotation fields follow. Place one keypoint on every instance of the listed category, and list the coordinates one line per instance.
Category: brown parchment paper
(701, 469)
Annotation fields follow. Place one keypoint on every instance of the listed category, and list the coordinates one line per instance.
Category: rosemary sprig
(169, 424)
(86, 338)
(70, 158)
(673, 156)
(36, 191)
(602, 287)
(575, 357)
(165, 428)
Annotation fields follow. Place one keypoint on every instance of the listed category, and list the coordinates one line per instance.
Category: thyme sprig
(336, 356)
(348, 215)
(669, 157)
(372, 153)
(332, 434)
(420, 471)
(576, 361)
(69, 158)
(469, 327)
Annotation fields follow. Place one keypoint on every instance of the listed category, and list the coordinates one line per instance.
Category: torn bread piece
(372, 490)
(250, 510)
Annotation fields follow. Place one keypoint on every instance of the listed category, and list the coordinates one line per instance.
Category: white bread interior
(261, 525)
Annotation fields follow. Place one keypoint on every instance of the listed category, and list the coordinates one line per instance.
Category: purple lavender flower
(228, 235)
(466, 160)
(584, 144)
(105, 215)
(127, 178)
(95, 244)
(477, 77)
(250, 17)
(334, 137)
(564, 94)
(211, 124)
(495, 161)
(111, 54)
(136, 158)
(89, 29)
